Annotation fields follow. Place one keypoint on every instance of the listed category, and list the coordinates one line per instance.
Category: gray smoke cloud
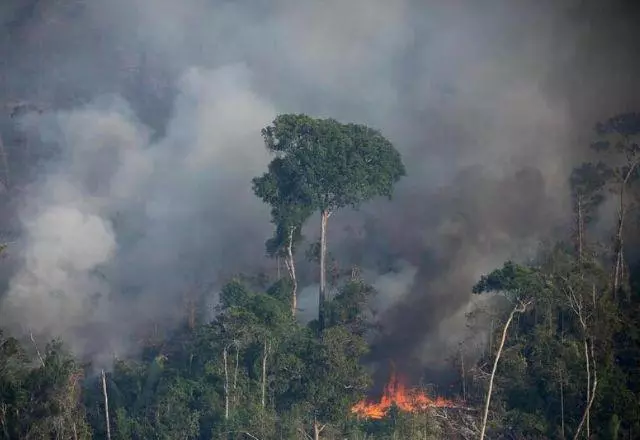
(151, 137)
(118, 229)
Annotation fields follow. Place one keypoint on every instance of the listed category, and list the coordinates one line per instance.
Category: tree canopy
(560, 358)
(324, 165)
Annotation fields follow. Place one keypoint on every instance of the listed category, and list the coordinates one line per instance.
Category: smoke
(151, 135)
(121, 226)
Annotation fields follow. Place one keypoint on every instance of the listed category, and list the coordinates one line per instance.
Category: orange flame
(396, 393)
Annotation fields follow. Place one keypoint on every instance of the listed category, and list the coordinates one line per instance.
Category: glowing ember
(396, 394)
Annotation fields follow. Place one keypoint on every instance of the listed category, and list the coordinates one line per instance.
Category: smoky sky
(150, 133)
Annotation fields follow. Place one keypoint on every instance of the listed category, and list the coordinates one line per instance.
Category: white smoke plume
(120, 208)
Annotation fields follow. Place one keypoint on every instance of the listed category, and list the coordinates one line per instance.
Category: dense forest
(324, 220)
(561, 361)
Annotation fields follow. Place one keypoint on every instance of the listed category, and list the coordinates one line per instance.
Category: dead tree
(106, 405)
(580, 307)
(520, 307)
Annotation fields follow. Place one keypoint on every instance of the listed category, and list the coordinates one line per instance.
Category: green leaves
(516, 281)
(324, 165)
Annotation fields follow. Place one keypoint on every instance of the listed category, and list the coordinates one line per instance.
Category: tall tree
(288, 213)
(519, 285)
(323, 165)
(620, 165)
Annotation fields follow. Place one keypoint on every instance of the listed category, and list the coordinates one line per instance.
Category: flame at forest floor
(397, 394)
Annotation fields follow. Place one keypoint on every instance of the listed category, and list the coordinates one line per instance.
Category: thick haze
(153, 110)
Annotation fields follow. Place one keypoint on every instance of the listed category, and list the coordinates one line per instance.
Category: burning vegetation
(396, 393)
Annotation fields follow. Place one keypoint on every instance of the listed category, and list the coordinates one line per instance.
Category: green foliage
(43, 400)
(349, 307)
(253, 371)
(518, 283)
(325, 165)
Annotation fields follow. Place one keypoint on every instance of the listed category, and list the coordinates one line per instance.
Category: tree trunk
(235, 375)
(226, 384)
(323, 271)
(619, 233)
(591, 392)
(265, 354)
(587, 365)
(106, 405)
(517, 309)
(3, 419)
(463, 375)
(618, 263)
(317, 429)
(33, 340)
(580, 225)
(561, 402)
(291, 268)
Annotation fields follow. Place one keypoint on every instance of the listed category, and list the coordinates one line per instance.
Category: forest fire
(397, 394)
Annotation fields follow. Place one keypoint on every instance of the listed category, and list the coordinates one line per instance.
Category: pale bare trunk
(518, 308)
(587, 365)
(580, 229)
(561, 402)
(291, 268)
(106, 405)
(584, 421)
(463, 375)
(226, 384)
(317, 429)
(265, 354)
(620, 232)
(578, 306)
(3, 419)
(618, 263)
(235, 375)
(323, 272)
(35, 345)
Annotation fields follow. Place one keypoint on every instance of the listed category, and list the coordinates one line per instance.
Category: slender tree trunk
(234, 401)
(3, 419)
(584, 421)
(561, 402)
(618, 262)
(517, 309)
(324, 217)
(579, 308)
(580, 228)
(265, 354)
(291, 268)
(317, 429)
(587, 365)
(620, 232)
(106, 405)
(35, 345)
(463, 376)
(226, 384)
